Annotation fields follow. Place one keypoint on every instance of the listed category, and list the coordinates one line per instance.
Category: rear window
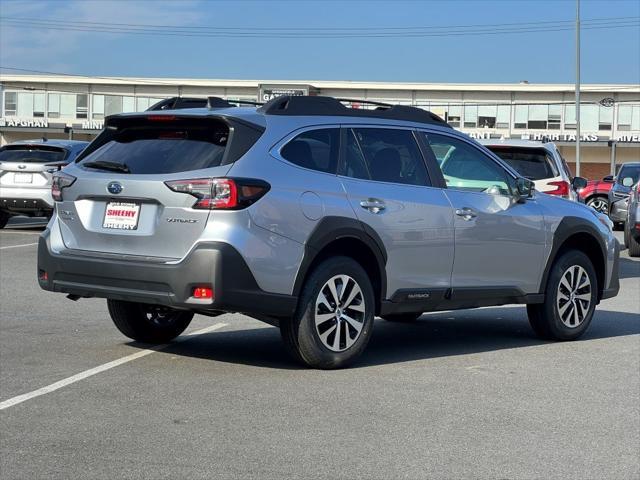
(140, 145)
(531, 163)
(31, 154)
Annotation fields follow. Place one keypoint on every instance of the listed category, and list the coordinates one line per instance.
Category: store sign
(269, 92)
(562, 137)
(628, 138)
(92, 125)
(23, 122)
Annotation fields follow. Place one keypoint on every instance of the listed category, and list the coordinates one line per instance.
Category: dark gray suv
(315, 217)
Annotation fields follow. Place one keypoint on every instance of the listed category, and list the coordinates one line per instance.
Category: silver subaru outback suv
(316, 218)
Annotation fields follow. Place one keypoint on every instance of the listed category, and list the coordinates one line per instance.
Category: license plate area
(19, 177)
(121, 216)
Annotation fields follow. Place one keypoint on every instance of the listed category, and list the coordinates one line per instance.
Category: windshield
(626, 171)
(167, 148)
(531, 163)
(31, 154)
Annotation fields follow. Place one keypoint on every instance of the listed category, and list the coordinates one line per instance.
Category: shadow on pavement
(435, 335)
(629, 268)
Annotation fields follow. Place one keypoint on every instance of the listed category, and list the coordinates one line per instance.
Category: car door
(388, 186)
(499, 242)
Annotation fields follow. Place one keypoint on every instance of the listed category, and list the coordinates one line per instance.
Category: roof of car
(61, 143)
(513, 142)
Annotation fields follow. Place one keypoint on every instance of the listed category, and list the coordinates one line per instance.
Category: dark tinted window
(466, 168)
(632, 171)
(314, 149)
(532, 163)
(164, 148)
(384, 155)
(31, 154)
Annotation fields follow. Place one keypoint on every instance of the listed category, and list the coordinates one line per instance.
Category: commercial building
(61, 106)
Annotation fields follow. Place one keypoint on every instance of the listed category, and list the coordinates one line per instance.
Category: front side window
(384, 155)
(466, 168)
(314, 149)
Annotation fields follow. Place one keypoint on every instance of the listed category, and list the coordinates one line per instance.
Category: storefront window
(503, 119)
(628, 117)
(97, 107)
(128, 104)
(570, 117)
(470, 116)
(81, 106)
(453, 115)
(67, 105)
(521, 114)
(38, 105)
(589, 116)
(112, 104)
(538, 116)
(25, 105)
(142, 103)
(555, 115)
(53, 111)
(10, 103)
(487, 115)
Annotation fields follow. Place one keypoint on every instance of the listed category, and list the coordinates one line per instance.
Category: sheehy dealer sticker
(121, 216)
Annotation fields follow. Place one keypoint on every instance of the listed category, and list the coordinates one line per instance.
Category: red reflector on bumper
(203, 292)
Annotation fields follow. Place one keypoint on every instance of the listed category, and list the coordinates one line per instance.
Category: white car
(540, 162)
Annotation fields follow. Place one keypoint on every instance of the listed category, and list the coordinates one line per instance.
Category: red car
(596, 192)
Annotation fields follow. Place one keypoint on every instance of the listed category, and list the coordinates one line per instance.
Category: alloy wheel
(599, 205)
(574, 296)
(339, 313)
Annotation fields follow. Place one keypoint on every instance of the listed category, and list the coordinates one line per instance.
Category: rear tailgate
(120, 202)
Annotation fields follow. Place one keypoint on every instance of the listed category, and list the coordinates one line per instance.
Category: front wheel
(570, 300)
(634, 246)
(334, 319)
(148, 323)
(599, 204)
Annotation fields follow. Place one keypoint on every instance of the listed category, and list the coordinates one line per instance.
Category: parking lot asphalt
(466, 394)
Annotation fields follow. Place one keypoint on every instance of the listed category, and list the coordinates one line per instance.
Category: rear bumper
(26, 199)
(171, 284)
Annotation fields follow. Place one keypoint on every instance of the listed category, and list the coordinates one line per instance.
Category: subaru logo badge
(114, 187)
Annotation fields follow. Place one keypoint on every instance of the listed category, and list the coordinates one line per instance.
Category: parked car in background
(596, 194)
(632, 224)
(628, 175)
(316, 218)
(540, 162)
(26, 170)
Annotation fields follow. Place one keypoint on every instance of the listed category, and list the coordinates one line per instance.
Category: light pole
(577, 88)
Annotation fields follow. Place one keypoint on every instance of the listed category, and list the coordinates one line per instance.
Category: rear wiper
(105, 165)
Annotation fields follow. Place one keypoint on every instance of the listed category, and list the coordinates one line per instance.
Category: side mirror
(627, 181)
(578, 183)
(608, 179)
(524, 188)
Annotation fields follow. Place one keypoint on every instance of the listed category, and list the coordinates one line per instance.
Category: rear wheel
(403, 317)
(571, 295)
(4, 218)
(599, 204)
(627, 235)
(148, 323)
(334, 319)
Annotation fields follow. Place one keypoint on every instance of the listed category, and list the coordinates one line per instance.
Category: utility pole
(577, 88)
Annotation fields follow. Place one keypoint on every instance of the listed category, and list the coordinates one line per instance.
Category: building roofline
(320, 84)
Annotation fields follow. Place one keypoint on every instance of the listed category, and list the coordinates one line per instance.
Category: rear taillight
(60, 182)
(562, 188)
(221, 193)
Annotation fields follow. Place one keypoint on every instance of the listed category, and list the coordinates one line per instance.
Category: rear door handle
(466, 213)
(373, 205)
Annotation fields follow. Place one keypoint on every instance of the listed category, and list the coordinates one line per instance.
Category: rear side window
(384, 155)
(531, 163)
(161, 147)
(314, 149)
(31, 154)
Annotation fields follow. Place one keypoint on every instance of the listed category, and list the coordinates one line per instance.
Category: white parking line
(16, 232)
(101, 368)
(18, 246)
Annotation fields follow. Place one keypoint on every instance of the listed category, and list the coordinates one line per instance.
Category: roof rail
(218, 102)
(177, 103)
(319, 105)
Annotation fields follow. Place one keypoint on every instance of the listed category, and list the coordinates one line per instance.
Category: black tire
(148, 323)
(627, 234)
(302, 337)
(402, 317)
(599, 203)
(545, 317)
(634, 247)
(4, 218)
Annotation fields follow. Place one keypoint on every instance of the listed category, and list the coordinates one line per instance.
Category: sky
(609, 55)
